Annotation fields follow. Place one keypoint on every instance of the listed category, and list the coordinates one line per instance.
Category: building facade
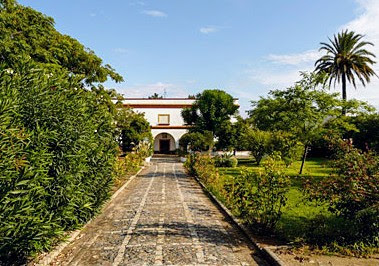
(164, 116)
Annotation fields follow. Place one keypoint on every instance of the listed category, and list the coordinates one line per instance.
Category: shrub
(287, 145)
(259, 143)
(57, 157)
(201, 166)
(352, 191)
(259, 196)
(197, 141)
(225, 160)
(368, 132)
(133, 129)
(129, 164)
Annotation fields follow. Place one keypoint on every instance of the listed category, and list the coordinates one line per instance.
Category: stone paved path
(161, 218)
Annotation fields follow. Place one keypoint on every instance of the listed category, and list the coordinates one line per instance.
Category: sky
(245, 47)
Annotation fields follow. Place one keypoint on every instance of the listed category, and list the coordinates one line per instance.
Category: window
(163, 119)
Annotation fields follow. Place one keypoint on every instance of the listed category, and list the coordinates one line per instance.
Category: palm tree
(346, 58)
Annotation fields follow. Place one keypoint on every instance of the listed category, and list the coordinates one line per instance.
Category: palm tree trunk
(344, 93)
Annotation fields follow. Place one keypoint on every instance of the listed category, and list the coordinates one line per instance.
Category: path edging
(267, 253)
(50, 256)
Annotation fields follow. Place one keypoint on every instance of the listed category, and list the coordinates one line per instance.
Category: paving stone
(162, 217)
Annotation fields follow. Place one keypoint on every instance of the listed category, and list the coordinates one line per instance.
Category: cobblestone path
(161, 218)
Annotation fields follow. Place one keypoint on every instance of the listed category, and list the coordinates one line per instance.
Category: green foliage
(287, 145)
(197, 141)
(259, 197)
(352, 191)
(155, 96)
(134, 129)
(225, 160)
(346, 59)
(28, 34)
(300, 110)
(259, 143)
(212, 112)
(304, 112)
(57, 158)
(233, 135)
(367, 134)
(201, 166)
(129, 164)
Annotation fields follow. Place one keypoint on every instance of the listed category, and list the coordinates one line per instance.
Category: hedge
(57, 156)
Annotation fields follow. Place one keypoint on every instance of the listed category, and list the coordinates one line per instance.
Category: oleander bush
(57, 157)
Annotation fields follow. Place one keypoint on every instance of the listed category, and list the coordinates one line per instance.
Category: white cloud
(154, 13)
(92, 14)
(295, 59)
(209, 29)
(283, 70)
(145, 90)
(137, 3)
(367, 23)
(275, 79)
(121, 50)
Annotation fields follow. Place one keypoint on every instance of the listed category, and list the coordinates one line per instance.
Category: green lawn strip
(298, 214)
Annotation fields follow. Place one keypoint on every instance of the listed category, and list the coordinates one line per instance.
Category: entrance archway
(164, 143)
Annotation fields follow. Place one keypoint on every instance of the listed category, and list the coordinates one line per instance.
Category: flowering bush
(259, 197)
(352, 191)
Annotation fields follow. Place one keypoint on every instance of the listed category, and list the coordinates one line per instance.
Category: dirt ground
(290, 257)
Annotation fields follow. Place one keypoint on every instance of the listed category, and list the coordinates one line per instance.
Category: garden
(311, 180)
(312, 176)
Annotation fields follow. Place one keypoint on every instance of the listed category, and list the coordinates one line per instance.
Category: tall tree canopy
(346, 59)
(28, 34)
(302, 111)
(133, 128)
(212, 111)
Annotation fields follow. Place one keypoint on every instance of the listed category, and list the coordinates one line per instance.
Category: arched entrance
(164, 143)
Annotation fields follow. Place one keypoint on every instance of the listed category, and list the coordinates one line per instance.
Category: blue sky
(245, 47)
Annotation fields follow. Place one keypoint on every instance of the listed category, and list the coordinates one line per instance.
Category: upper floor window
(163, 119)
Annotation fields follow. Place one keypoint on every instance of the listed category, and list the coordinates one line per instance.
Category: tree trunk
(303, 159)
(344, 93)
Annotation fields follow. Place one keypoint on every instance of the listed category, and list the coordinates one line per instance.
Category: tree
(212, 111)
(346, 59)
(300, 110)
(133, 129)
(197, 141)
(28, 34)
(367, 136)
(155, 96)
(259, 143)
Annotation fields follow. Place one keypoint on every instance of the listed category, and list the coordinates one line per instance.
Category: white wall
(151, 115)
(168, 106)
(175, 133)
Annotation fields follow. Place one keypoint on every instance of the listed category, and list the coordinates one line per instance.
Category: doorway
(164, 146)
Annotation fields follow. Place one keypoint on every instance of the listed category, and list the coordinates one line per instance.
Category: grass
(305, 223)
(299, 213)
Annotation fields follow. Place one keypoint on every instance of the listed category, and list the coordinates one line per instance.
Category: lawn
(299, 214)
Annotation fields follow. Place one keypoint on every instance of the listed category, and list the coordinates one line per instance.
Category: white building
(164, 116)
